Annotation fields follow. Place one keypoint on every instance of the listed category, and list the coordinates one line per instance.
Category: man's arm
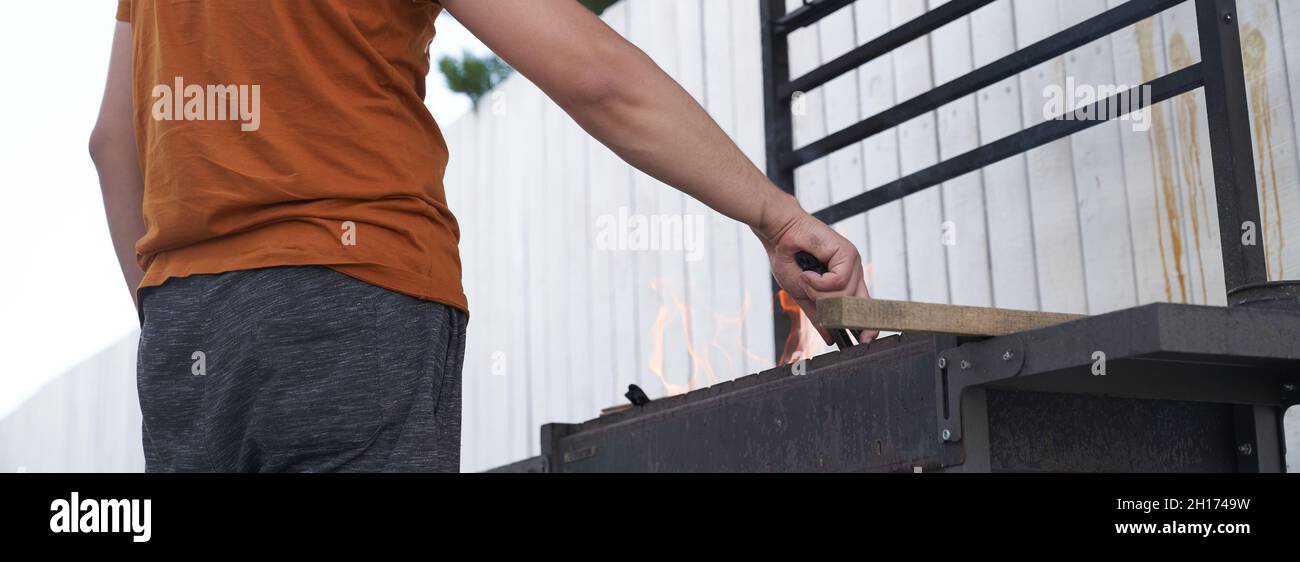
(113, 148)
(624, 100)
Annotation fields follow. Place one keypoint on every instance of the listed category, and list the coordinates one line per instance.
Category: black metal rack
(1220, 73)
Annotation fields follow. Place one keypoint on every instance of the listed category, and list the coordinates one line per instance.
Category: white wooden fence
(1110, 218)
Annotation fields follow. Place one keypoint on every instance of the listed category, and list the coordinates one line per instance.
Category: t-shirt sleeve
(124, 10)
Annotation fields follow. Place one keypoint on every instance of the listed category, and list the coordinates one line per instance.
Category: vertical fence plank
(964, 232)
(755, 310)
(887, 239)
(1054, 204)
(927, 268)
(838, 35)
(1099, 172)
(1272, 121)
(612, 180)
(551, 233)
(1010, 220)
(577, 319)
(716, 338)
(1155, 202)
(499, 412)
(1289, 22)
(1192, 140)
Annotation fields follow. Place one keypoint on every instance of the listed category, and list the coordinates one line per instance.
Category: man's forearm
(113, 148)
(655, 125)
(123, 191)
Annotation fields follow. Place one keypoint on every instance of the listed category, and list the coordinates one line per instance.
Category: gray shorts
(298, 369)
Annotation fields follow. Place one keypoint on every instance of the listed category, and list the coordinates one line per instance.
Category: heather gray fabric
(300, 369)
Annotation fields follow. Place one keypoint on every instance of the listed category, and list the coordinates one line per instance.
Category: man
(273, 185)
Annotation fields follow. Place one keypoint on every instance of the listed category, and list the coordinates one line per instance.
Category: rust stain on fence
(1188, 119)
(1163, 184)
(1254, 51)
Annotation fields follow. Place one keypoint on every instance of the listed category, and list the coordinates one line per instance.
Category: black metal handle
(808, 262)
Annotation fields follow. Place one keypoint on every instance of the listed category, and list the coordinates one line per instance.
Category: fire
(733, 325)
(699, 359)
(803, 341)
(726, 340)
(726, 344)
(657, 355)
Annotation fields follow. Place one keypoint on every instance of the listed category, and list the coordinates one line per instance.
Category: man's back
(292, 133)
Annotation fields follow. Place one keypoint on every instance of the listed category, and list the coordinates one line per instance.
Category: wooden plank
(963, 235)
(1099, 174)
(887, 239)
(930, 318)
(1054, 206)
(1006, 184)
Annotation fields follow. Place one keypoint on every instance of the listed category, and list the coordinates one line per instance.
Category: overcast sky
(61, 293)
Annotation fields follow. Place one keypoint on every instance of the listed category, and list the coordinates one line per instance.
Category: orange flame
(699, 359)
(726, 339)
(795, 345)
(734, 326)
(657, 354)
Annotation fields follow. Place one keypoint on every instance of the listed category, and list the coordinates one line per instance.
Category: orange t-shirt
(291, 133)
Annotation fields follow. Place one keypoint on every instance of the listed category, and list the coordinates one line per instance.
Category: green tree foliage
(473, 75)
(598, 6)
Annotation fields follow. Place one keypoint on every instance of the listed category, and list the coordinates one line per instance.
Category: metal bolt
(943, 363)
(1245, 449)
(1227, 17)
(947, 435)
(965, 364)
(1007, 356)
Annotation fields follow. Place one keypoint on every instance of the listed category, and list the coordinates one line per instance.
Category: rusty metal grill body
(1187, 389)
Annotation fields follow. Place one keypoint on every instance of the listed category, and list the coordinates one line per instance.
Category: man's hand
(788, 230)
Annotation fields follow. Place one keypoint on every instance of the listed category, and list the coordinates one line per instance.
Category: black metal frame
(1220, 73)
